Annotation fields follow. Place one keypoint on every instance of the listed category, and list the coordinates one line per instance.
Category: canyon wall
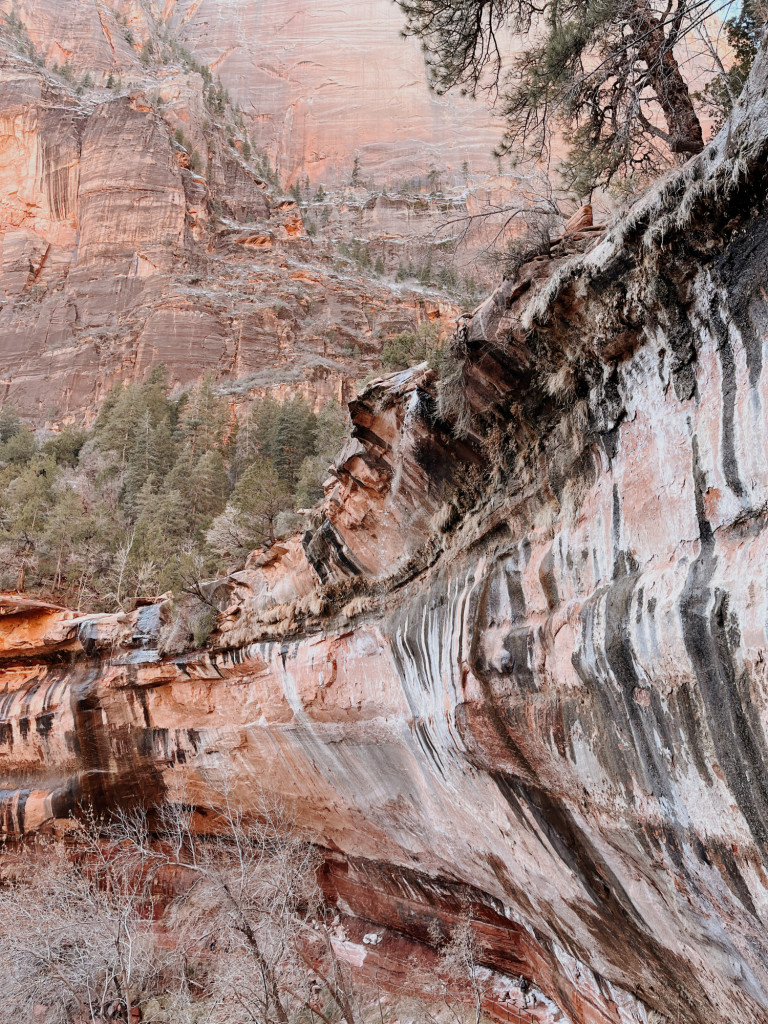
(319, 82)
(517, 660)
(323, 82)
(137, 227)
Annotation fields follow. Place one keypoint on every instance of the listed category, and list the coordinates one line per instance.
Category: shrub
(411, 347)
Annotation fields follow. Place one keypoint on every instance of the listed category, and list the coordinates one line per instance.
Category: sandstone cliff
(318, 84)
(519, 660)
(137, 227)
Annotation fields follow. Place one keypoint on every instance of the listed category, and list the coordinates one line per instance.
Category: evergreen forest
(159, 494)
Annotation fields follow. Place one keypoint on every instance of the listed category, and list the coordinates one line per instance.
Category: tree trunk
(666, 80)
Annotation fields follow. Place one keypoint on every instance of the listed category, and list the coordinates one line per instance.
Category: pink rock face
(519, 666)
(116, 255)
(319, 82)
(323, 81)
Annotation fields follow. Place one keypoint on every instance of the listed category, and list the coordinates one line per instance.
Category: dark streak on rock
(735, 731)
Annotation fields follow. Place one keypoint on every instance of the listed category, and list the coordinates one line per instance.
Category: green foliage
(357, 250)
(67, 71)
(425, 272)
(151, 497)
(16, 27)
(202, 623)
(411, 347)
(355, 178)
(448, 279)
(603, 74)
(743, 33)
(434, 181)
(10, 424)
(284, 434)
(331, 433)
(262, 495)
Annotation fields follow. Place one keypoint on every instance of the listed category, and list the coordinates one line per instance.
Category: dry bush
(76, 942)
(192, 622)
(535, 240)
(145, 915)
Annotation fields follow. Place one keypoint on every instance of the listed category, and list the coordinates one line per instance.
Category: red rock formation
(523, 669)
(115, 254)
(317, 85)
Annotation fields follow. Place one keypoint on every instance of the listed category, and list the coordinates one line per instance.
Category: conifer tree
(65, 446)
(20, 448)
(262, 495)
(743, 32)
(10, 424)
(211, 486)
(603, 74)
(294, 439)
(63, 526)
(205, 418)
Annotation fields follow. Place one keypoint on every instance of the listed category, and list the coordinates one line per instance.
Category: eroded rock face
(318, 85)
(524, 669)
(116, 253)
(324, 85)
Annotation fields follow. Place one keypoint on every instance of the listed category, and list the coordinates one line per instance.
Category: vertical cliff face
(137, 225)
(323, 83)
(318, 83)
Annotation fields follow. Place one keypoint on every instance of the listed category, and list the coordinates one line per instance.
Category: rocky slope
(521, 668)
(137, 225)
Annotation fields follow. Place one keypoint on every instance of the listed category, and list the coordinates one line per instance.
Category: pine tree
(20, 447)
(10, 424)
(65, 446)
(332, 432)
(603, 74)
(162, 530)
(63, 527)
(294, 439)
(262, 496)
(205, 418)
(139, 460)
(28, 499)
(211, 486)
(182, 477)
(119, 420)
(355, 178)
(743, 33)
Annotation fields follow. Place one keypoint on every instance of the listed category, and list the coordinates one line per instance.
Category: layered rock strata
(521, 669)
(122, 246)
(318, 84)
